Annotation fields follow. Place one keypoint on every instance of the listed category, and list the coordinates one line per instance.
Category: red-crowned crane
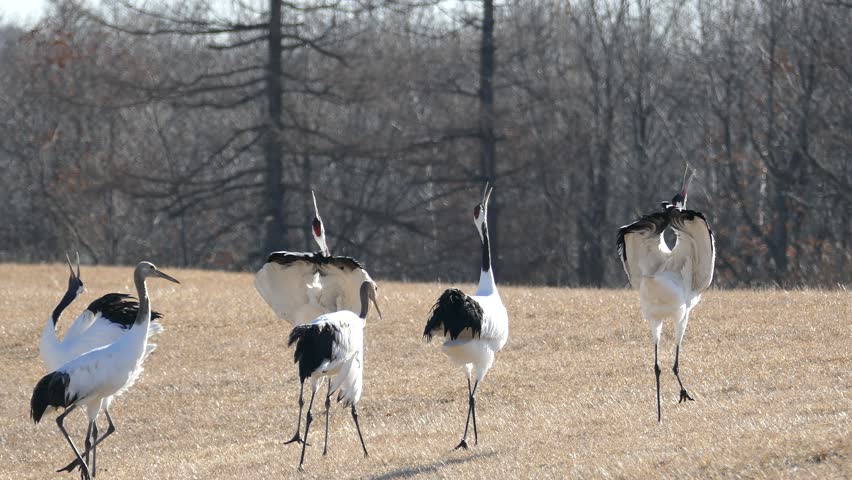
(474, 327)
(333, 346)
(299, 287)
(670, 282)
(102, 323)
(104, 372)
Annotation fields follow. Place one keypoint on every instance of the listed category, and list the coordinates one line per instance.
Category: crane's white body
(88, 332)
(670, 282)
(476, 353)
(108, 371)
(345, 368)
(302, 290)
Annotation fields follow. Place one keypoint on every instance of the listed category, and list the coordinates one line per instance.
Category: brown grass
(571, 395)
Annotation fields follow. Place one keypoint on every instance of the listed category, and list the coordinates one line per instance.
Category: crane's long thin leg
(95, 449)
(463, 443)
(684, 395)
(657, 374)
(88, 451)
(358, 428)
(296, 436)
(473, 409)
(88, 444)
(309, 418)
(327, 411)
(84, 467)
(76, 463)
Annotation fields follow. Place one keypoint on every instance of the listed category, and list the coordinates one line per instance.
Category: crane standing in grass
(97, 375)
(299, 287)
(474, 327)
(333, 346)
(670, 282)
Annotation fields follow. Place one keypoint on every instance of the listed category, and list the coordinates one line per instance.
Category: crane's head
(318, 229)
(75, 284)
(148, 270)
(679, 200)
(480, 212)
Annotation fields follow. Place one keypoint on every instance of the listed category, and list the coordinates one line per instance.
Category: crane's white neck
(144, 315)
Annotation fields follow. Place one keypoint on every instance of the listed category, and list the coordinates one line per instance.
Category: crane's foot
(462, 445)
(296, 439)
(684, 396)
(70, 467)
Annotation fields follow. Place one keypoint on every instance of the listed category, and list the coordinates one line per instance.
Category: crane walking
(670, 281)
(99, 374)
(474, 327)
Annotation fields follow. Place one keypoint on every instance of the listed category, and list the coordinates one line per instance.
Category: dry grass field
(571, 395)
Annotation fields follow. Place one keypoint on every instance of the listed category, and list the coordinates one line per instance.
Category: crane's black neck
(144, 302)
(69, 297)
(486, 249)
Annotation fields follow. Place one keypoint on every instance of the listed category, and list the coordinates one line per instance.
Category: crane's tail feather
(155, 328)
(349, 382)
(313, 347)
(50, 391)
(454, 312)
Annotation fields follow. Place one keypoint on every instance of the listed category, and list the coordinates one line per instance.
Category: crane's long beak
(687, 179)
(486, 195)
(316, 210)
(78, 265)
(160, 274)
(70, 268)
(373, 298)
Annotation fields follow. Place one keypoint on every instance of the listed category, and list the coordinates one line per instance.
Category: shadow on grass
(429, 468)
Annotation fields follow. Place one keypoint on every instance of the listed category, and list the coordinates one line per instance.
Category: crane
(670, 281)
(332, 346)
(474, 327)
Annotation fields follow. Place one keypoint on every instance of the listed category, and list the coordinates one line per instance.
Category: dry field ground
(571, 395)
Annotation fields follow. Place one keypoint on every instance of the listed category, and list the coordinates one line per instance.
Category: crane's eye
(476, 211)
(317, 226)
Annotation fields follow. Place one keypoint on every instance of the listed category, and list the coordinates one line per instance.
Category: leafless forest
(191, 135)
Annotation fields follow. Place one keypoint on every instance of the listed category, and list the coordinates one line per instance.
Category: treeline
(193, 137)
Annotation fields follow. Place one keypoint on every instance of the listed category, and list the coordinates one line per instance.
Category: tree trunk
(274, 196)
(487, 142)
